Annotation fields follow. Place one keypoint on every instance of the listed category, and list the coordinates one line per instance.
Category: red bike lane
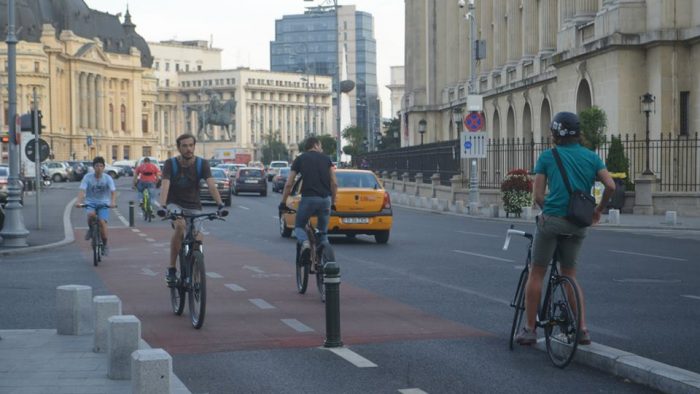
(252, 301)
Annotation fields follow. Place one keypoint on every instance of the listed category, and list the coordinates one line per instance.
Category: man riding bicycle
(145, 177)
(180, 193)
(318, 192)
(98, 192)
(582, 167)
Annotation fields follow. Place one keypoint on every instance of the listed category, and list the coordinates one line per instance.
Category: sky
(244, 28)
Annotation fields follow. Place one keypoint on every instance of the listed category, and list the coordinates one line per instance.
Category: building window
(36, 67)
(187, 67)
(685, 112)
(6, 115)
(123, 117)
(155, 120)
(144, 123)
(199, 68)
(167, 83)
(111, 116)
(146, 151)
(167, 66)
(127, 152)
(115, 152)
(177, 66)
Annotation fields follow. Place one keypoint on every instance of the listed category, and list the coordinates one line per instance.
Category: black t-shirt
(315, 170)
(184, 189)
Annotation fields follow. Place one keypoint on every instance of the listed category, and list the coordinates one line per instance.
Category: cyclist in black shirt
(318, 190)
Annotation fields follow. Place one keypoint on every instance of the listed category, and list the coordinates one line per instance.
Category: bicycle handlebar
(96, 206)
(209, 216)
(511, 232)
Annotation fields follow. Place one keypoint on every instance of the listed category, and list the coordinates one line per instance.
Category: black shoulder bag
(581, 204)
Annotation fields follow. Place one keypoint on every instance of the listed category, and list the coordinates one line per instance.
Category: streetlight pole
(474, 172)
(647, 106)
(14, 234)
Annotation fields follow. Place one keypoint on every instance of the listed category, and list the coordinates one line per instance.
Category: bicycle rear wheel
(177, 292)
(95, 244)
(519, 305)
(326, 256)
(198, 291)
(563, 321)
(302, 272)
(147, 205)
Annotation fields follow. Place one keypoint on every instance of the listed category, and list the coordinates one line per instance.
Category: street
(429, 310)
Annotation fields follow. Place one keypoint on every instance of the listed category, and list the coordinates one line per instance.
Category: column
(548, 25)
(530, 28)
(91, 100)
(83, 100)
(486, 29)
(99, 103)
(500, 37)
(514, 26)
(585, 10)
(566, 13)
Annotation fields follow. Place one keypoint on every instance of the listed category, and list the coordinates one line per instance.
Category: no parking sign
(474, 121)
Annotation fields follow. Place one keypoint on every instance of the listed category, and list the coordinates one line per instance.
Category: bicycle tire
(327, 254)
(95, 245)
(519, 305)
(177, 292)
(302, 273)
(197, 294)
(563, 325)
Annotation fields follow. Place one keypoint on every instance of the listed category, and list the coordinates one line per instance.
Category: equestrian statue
(218, 114)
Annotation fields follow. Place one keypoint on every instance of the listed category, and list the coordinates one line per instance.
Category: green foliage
(593, 123)
(356, 138)
(616, 160)
(517, 191)
(274, 149)
(328, 145)
(388, 141)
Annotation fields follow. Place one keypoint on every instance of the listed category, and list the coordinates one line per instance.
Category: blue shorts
(102, 213)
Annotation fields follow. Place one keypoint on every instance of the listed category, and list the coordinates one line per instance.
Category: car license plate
(251, 181)
(355, 220)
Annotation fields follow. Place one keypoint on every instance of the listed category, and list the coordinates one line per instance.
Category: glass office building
(308, 43)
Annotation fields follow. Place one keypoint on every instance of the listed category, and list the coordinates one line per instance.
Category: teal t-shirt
(581, 165)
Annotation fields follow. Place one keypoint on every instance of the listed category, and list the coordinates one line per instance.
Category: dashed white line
(135, 230)
(484, 256)
(480, 234)
(123, 220)
(412, 391)
(234, 287)
(254, 269)
(692, 297)
(242, 207)
(150, 240)
(648, 255)
(148, 271)
(352, 357)
(143, 235)
(297, 325)
(214, 275)
(260, 303)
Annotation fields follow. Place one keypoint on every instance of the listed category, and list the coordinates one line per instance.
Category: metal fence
(672, 158)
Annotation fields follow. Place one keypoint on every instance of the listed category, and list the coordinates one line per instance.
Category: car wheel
(284, 231)
(382, 237)
(57, 178)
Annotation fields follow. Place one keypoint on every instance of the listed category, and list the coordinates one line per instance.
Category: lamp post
(14, 234)
(421, 129)
(647, 105)
(474, 172)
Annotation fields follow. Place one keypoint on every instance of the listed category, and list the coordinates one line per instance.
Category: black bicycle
(559, 313)
(191, 278)
(95, 233)
(322, 254)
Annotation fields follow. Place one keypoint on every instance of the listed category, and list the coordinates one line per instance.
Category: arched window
(510, 125)
(583, 96)
(122, 117)
(545, 118)
(496, 126)
(528, 133)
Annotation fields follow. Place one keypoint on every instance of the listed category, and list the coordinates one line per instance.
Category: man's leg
(90, 215)
(323, 215)
(175, 245)
(304, 212)
(570, 248)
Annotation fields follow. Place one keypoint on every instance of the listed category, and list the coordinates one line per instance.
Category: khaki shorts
(546, 239)
(198, 225)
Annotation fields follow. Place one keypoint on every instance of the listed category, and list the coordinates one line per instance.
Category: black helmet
(565, 124)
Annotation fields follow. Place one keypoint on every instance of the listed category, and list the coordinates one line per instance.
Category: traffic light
(27, 121)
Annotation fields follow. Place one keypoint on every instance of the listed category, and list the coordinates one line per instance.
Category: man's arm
(214, 191)
(81, 197)
(114, 199)
(136, 178)
(288, 186)
(539, 189)
(334, 185)
(164, 188)
(606, 179)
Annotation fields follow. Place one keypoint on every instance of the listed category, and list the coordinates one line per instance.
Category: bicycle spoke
(563, 323)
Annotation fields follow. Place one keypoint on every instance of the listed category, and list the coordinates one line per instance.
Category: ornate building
(92, 77)
(545, 56)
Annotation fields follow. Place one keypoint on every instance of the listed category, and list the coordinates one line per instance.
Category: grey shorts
(549, 228)
(198, 225)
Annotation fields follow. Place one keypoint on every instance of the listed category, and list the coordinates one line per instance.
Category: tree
(357, 138)
(388, 141)
(328, 145)
(616, 160)
(273, 149)
(593, 123)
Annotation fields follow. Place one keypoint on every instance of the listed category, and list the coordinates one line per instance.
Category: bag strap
(561, 170)
(198, 164)
(173, 162)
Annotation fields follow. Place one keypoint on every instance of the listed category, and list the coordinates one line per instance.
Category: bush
(517, 191)
(593, 123)
(616, 161)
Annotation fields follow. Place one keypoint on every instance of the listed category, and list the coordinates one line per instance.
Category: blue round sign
(467, 144)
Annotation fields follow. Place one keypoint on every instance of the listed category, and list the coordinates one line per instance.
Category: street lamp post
(14, 234)
(647, 106)
(421, 129)
(474, 172)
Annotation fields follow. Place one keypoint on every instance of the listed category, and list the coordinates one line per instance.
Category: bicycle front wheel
(198, 290)
(302, 273)
(563, 321)
(519, 305)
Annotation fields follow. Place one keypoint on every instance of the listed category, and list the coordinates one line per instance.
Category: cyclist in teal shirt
(582, 167)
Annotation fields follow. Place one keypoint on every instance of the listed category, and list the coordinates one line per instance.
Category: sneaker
(105, 250)
(585, 338)
(88, 235)
(171, 276)
(305, 252)
(526, 337)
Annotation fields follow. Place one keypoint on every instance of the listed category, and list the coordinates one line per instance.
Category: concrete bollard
(150, 371)
(74, 310)
(124, 335)
(459, 206)
(671, 218)
(494, 210)
(104, 307)
(331, 280)
(411, 201)
(423, 202)
(614, 216)
(474, 208)
(434, 204)
(526, 213)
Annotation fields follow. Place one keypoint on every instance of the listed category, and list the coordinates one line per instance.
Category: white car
(274, 168)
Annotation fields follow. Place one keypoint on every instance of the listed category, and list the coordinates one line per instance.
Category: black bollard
(331, 280)
(131, 213)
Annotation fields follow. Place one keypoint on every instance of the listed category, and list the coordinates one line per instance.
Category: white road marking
(352, 357)
(260, 303)
(693, 297)
(254, 269)
(143, 235)
(214, 275)
(148, 271)
(276, 217)
(647, 255)
(150, 240)
(518, 267)
(123, 220)
(480, 234)
(297, 325)
(134, 229)
(412, 391)
(234, 287)
(242, 207)
(484, 256)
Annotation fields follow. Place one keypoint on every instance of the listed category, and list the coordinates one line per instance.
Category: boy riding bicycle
(98, 193)
(145, 177)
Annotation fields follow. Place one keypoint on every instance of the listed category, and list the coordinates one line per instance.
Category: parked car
(223, 185)
(231, 168)
(119, 163)
(362, 207)
(4, 177)
(274, 167)
(79, 170)
(59, 171)
(128, 171)
(114, 172)
(280, 179)
(250, 179)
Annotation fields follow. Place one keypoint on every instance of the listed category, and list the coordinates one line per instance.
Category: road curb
(68, 236)
(657, 375)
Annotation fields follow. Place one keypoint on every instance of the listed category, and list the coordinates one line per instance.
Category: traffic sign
(44, 150)
(473, 144)
(474, 121)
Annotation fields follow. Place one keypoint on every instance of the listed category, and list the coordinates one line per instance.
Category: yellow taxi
(362, 207)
